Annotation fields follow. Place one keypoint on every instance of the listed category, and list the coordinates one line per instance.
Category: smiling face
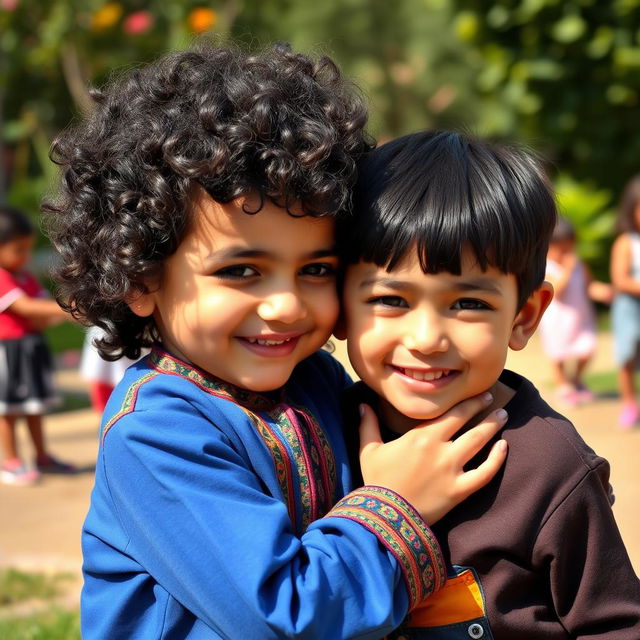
(424, 342)
(246, 297)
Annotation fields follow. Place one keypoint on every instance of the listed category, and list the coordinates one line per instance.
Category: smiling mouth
(424, 376)
(268, 343)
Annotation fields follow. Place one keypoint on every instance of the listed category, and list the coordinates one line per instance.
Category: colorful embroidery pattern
(302, 456)
(129, 402)
(281, 461)
(165, 363)
(400, 528)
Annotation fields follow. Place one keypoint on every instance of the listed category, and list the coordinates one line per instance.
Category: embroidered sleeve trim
(403, 532)
(129, 402)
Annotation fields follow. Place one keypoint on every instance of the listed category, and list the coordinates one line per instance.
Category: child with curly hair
(196, 216)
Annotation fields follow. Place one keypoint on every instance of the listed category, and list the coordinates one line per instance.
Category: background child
(196, 215)
(568, 327)
(625, 311)
(102, 375)
(448, 249)
(26, 388)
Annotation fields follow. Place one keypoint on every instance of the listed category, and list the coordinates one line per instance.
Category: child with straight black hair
(446, 262)
(26, 365)
(196, 216)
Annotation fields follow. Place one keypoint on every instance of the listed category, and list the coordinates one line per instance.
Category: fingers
(449, 423)
(475, 479)
(471, 441)
(369, 429)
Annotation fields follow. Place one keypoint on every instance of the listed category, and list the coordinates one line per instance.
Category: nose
(282, 306)
(426, 334)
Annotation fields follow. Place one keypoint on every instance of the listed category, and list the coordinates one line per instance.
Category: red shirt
(12, 287)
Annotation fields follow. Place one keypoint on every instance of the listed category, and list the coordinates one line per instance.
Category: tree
(563, 75)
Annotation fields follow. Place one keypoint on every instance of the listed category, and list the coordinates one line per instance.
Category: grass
(40, 617)
(17, 586)
(54, 624)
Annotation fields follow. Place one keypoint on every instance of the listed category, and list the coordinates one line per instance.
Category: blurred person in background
(26, 388)
(102, 375)
(568, 328)
(625, 311)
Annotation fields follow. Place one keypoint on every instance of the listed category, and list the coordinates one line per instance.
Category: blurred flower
(138, 22)
(202, 19)
(9, 5)
(106, 16)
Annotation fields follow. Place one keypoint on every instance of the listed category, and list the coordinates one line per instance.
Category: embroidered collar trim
(164, 362)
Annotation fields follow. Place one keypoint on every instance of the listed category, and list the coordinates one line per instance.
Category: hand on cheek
(425, 466)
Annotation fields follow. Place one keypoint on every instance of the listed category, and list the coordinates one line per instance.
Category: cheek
(484, 346)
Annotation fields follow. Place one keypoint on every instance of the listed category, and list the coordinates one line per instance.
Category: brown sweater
(541, 536)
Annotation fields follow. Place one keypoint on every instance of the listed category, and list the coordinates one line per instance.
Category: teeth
(267, 343)
(424, 375)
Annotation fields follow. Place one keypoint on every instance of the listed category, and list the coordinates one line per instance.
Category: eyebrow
(475, 284)
(240, 253)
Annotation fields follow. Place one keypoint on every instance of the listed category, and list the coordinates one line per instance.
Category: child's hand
(425, 466)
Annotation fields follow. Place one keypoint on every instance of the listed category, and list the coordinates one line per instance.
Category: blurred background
(559, 76)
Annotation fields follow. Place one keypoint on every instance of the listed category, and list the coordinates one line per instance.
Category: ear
(528, 318)
(340, 329)
(141, 303)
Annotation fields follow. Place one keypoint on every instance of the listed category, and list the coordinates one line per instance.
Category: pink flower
(138, 22)
(9, 5)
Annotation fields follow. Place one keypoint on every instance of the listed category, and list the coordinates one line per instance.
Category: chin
(421, 414)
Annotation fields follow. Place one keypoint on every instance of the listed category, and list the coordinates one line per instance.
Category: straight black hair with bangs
(442, 192)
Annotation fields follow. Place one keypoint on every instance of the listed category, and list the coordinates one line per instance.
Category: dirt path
(41, 525)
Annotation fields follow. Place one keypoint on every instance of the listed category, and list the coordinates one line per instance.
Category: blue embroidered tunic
(212, 515)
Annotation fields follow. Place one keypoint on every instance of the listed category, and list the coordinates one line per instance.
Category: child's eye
(318, 270)
(470, 304)
(237, 271)
(388, 301)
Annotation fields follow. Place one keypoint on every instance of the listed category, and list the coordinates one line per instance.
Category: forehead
(409, 272)
(217, 225)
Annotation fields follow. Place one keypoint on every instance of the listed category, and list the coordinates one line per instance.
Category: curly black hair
(275, 123)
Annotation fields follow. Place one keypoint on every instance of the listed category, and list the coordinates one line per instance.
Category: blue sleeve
(198, 520)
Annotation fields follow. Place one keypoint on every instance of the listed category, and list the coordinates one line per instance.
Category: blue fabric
(625, 322)
(188, 534)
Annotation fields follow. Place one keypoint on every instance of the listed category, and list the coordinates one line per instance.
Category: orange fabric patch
(459, 599)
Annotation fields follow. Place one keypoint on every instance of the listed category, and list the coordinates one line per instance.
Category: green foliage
(561, 76)
(589, 209)
(67, 336)
(403, 54)
(564, 76)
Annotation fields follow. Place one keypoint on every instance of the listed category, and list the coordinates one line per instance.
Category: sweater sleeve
(196, 518)
(594, 588)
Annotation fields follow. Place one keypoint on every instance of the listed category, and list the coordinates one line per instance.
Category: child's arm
(594, 588)
(41, 312)
(596, 290)
(425, 465)
(621, 267)
(197, 517)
